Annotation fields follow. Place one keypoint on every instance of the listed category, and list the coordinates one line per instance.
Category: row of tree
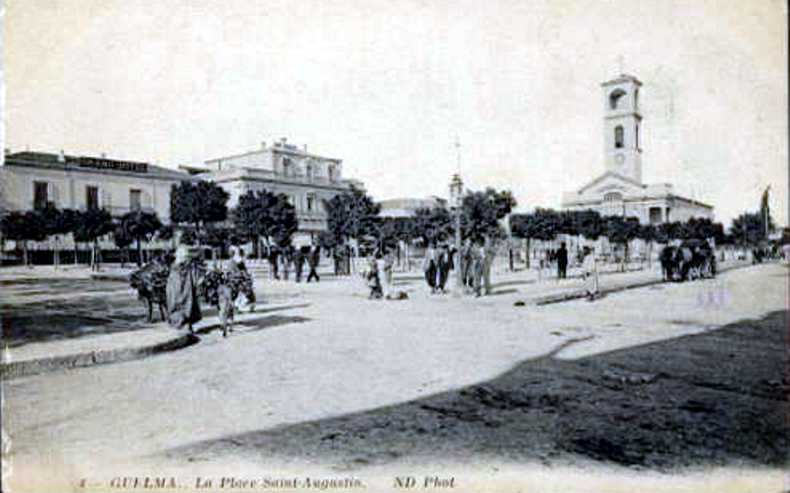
(198, 210)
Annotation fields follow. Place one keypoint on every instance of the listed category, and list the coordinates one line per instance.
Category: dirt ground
(714, 399)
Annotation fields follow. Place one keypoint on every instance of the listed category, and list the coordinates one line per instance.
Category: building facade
(619, 190)
(307, 179)
(407, 207)
(33, 180)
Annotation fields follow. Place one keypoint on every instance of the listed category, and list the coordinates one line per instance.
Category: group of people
(290, 258)
(228, 287)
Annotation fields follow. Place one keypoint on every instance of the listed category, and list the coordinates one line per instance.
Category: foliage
(432, 225)
(748, 229)
(92, 224)
(198, 203)
(139, 226)
(263, 214)
(619, 229)
(352, 215)
(482, 211)
(23, 226)
(542, 224)
(391, 230)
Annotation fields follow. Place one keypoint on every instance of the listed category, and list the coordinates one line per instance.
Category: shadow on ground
(716, 398)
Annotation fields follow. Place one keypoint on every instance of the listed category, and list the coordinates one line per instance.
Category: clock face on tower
(619, 158)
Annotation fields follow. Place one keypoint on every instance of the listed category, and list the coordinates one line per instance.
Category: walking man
(562, 262)
(314, 257)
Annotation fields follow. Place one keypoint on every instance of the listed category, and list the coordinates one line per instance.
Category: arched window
(287, 167)
(615, 98)
(331, 172)
(309, 172)
(613, 197)
(618, 136)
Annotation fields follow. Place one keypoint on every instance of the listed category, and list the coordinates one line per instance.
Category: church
(619, 190)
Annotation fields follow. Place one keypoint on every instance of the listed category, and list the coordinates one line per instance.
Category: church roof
(611, 174)
(622, 78)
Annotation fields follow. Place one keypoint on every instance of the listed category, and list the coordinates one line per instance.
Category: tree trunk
(56, 254)
(527, 251)
(139, 254)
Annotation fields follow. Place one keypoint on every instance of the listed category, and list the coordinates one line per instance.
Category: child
(590, 269)
(225, 307)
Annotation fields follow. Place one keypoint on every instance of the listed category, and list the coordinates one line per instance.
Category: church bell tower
(622, 151)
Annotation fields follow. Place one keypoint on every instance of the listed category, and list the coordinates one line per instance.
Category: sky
(389, 86)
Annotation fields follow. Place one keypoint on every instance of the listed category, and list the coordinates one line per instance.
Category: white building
(307, 179)
(31, 180)
(619, 190)
(407, 207)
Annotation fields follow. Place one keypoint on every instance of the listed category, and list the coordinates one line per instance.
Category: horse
(150, 281)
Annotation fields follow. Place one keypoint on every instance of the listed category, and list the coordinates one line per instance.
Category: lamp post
(456, 202)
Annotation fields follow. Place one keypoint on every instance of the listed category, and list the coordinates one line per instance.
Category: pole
(459, 282)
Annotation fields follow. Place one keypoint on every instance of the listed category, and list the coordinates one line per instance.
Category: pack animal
(150, 281)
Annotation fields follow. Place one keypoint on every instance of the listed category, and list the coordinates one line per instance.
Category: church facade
(620, 190)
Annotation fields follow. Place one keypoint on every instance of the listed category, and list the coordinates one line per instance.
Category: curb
(44, 365)
(579, 294)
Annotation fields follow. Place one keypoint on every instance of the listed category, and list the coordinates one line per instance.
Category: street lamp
(456, 202)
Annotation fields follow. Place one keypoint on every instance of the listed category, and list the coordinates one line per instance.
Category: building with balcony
(619, 190)
(307, 179)
(32, 180)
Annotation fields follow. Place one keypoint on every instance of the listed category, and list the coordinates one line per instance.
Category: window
(615, 98)
(618, 136)
(636, 136)
(135, 200)
(310, 203)
(331, 172)
(613, 197)
(287, 167)
(309, 172)
(92, 197)
(40, 194)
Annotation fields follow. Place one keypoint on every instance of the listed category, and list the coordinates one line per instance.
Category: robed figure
(183, 306)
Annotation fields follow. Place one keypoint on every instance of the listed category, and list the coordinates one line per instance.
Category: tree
(392, 231)
(748, 229)
(542, 224)
(91, 225)
(352, 215)
(432, 225)
(23, 227)
(263, 214)
(167, 233)
(198, 203)
(621, 230)
(482, 211)
(765, 212)
(122, 240)
(140, 226)
(648, 233)
(56, 224)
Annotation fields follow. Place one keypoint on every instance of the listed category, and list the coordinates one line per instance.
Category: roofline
(622, 78)
(275, 149)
